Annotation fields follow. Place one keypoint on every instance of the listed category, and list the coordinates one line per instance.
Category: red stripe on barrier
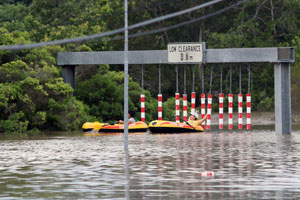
(248, 111)
(194, 95)
(240, 104)
(240, 126)
(159, 98)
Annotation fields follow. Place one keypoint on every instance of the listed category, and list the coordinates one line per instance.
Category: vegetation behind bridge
(34, 97)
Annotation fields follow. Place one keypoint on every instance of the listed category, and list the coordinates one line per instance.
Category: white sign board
(185, 52)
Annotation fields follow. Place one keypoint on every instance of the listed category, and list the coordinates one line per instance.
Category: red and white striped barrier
(193, 102)
(203, 108)
(240, 111)
(159, 98)
(230, 110)
(209, 102)
(248, 98)
(143, 108)
(221, 110)
(185, 115)
(177, 103)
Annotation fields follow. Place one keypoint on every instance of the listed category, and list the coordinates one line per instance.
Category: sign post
(186, 52)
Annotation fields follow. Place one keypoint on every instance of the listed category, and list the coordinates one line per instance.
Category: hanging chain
(221, 80)
(211, 76)
(230, 79)
(176, 78)
(193, 84)
(184, 80)
(202, 73)
(249, 79)
(142, 79)
(240, 82)
(159, 79)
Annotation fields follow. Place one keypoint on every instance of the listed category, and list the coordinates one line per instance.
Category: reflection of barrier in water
(208, 173)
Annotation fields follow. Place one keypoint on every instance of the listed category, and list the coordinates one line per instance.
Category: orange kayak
(161, 126)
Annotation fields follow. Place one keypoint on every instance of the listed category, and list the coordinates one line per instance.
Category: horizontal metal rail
(234, 55)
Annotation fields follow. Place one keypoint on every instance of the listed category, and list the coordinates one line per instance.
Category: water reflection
(247, 165)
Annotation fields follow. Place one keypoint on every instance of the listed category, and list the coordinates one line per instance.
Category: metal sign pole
(126, 79)
(126, 101)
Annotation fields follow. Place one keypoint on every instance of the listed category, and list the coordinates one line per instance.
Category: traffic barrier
(159, 97)
(143, 108)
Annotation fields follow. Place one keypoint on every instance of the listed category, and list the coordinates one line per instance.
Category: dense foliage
(34, 97)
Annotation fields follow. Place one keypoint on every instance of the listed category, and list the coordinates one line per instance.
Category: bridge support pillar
(68, 74)
(282, 98)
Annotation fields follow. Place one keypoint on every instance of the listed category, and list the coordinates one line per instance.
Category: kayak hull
(122, 130)
(95, 127)
(161, 126)
(119, 128)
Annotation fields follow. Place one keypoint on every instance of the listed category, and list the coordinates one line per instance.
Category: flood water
(247, 165)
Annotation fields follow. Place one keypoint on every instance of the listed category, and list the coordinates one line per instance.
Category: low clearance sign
(185, 53)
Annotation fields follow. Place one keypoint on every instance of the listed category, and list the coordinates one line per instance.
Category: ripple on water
(253, 165)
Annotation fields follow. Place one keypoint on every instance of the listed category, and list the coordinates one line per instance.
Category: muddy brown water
(257, 164)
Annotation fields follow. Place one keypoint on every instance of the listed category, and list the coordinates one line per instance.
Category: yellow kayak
(116, 128)
(161, 126)
(92, 126)
(113, 128)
